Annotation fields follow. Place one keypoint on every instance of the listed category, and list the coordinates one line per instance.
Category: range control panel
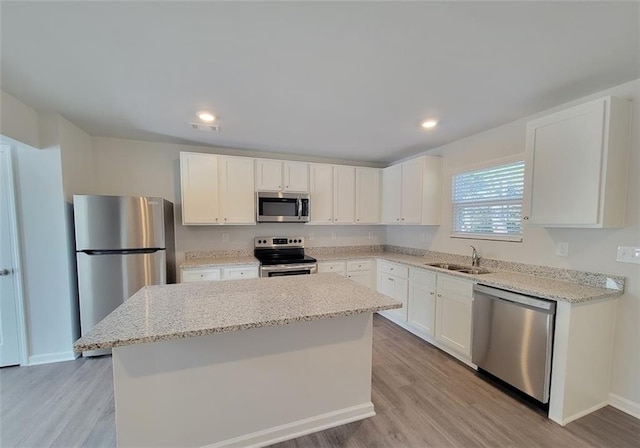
(278, 241)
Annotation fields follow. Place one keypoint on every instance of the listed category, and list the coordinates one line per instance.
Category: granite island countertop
(568, 286)
(185, 310)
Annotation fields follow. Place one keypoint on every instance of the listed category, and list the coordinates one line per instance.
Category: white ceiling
(340, 80)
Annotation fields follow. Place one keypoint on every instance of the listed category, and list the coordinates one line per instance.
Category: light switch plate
(628, 254)
(562, 249)
(225, 237)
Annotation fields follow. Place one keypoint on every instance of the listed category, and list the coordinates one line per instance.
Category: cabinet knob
(216, 219)
(358, 219)
(286, 186)
(525, 218)
(397, 219)
(391, 269)
(402, 219)
(439, 295)
(225, 219)
(390, 279)
(329, 219)
(431, 293)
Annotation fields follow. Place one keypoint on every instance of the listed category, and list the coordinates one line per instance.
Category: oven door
(281, 270)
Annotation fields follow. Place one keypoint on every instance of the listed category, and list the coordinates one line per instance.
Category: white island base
(244, 388)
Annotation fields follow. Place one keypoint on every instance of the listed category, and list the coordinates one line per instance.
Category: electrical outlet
(225, 237)
(562, 249)
(333, 235)
(628, 254)
(311, 236)
(423, 237)
(370, 235)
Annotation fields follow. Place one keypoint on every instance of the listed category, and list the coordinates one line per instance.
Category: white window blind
(487, 203)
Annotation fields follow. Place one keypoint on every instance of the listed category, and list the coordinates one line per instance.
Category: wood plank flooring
(422, 397)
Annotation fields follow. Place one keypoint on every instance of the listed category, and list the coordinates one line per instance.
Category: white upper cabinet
(411, 192)
(321, 193)
(344, 194)
(276, 175)
(216, 189)
(577, 169)
(296, 177)
(268, 175)
(199, 182)
(367, 195)
(236, 190)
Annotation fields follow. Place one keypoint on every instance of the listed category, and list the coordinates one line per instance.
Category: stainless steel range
(280, 256)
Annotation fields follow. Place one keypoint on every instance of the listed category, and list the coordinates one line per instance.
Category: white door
(199, 182)
(237, 200)
(362, 277)
(296, 177)
(9, 352)
(367, 195)
(344, 194)
(321, 193)
(396, 288)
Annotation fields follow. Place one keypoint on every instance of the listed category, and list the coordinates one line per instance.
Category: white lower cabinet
(361, 271)
(339, 267)
(454, 308)
(218, 273)
(436, 307)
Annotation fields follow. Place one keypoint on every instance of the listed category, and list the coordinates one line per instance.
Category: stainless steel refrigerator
(122, 244)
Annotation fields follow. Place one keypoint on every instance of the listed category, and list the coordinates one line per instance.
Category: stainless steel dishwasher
(513, 337)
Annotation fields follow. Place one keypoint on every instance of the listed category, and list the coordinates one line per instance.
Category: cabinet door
(321, 193)
(237, 193)
(367, 196)
(564, 153)
(240, 272)
(296, 177)
(268, 175)
(199, 188)
(422, 301)
(432, 191)
(454, 303)
(396, 288)
(332, 266)
(392, 194)
(412, 172)
(362, 277)
(344, 194)
(200, 274)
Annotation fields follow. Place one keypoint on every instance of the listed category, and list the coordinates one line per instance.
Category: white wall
(589, 249)
(132, 167)
(18, 121)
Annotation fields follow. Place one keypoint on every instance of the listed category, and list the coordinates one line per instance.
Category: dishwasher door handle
(542, 305)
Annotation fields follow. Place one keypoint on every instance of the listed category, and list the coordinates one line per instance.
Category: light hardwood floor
(423, 398)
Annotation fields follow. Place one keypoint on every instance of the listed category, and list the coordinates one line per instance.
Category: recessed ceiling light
(428, 124)
(207, 117)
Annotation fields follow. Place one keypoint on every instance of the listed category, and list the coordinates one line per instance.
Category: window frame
(481, 166)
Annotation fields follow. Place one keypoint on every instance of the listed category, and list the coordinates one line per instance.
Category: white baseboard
(630, 407)
(577, 415)
(299, 428)
(52, 357)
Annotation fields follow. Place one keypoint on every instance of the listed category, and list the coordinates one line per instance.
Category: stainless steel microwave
(282, 207)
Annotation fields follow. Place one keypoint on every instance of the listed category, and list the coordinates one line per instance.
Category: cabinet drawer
(422, 278)
(199, 275)
(448, 284)
(362, 265)
(393, 269)
(240, 272)
(332, 266)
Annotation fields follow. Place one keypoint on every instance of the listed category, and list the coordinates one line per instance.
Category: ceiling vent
(205, 127)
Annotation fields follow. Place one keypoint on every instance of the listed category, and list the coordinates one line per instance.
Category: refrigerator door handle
(122, 251)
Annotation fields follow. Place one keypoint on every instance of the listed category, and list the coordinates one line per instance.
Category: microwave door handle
(299, 201)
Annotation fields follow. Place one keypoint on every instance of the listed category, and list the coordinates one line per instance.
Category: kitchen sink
(459, 268)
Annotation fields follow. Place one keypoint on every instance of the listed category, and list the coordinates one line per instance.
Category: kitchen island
(240, 363)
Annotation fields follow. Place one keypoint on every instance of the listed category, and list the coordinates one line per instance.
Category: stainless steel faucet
(475, 258)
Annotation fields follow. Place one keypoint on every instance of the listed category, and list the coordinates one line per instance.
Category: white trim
(52, 357)
(488, 163)
(580, 414)
(479, 236)
(630, 407)
(299, 428)
(7, 151)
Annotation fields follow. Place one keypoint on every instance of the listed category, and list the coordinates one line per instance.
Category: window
(487, 203)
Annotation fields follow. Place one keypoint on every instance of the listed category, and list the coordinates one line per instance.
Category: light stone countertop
(520, 282)
(546, 288)
(214, 262)
(185, 310)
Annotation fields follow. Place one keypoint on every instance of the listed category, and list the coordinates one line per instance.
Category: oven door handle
(289, 267)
